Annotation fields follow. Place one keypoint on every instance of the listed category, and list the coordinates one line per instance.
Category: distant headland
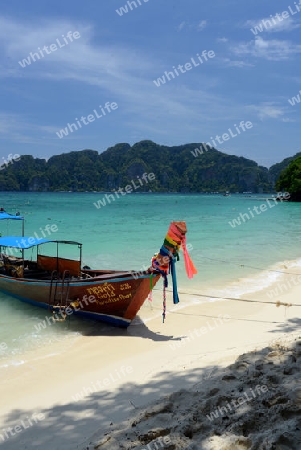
(176, 169)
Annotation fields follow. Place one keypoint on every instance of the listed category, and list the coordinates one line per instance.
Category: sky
(172, 71)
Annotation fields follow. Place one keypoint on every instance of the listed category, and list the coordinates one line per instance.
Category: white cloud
(181, 26)
(287, 120)
(272, 50)
(222, 39)
(202, 25)
(24, 130)
(272, 24)
(268, 110)
(232, 63)
(118, 73)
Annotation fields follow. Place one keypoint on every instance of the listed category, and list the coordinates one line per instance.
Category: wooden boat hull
(64, 287)
(115, 298)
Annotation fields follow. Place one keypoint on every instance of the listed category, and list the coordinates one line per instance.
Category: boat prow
(63, 287)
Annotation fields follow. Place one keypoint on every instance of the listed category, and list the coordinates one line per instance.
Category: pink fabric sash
(176, 234)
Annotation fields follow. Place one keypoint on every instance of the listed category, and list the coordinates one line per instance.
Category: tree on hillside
(277, 168)
(290, 180)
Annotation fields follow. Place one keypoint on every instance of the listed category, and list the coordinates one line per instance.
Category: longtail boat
(64, 287)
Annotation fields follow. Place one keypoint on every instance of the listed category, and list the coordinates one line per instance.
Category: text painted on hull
(107, 293)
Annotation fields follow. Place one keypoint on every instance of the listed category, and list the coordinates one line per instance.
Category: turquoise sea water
(126, 233)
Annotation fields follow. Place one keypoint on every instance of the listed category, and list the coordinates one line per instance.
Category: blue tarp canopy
(22, 242)
(5, 215)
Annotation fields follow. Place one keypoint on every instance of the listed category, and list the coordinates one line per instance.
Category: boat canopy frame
(25, 243)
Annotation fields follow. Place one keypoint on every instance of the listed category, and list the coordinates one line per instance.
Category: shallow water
(126, 233)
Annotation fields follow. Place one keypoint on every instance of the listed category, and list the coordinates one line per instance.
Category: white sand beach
(235, 361)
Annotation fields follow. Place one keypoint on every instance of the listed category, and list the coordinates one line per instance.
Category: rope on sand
(276, 303)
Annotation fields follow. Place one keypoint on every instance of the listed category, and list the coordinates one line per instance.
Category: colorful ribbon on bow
(164, 261)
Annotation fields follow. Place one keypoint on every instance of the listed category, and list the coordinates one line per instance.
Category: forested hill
(176, 169)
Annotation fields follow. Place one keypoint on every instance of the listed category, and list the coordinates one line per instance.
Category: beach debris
(279, 303)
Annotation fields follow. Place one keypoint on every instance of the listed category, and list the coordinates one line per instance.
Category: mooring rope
(251, 267)
(276, 303)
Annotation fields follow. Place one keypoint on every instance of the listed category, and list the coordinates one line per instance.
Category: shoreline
(286, 275)
(142, 358)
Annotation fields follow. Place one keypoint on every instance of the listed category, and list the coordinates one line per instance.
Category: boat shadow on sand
(139, 330)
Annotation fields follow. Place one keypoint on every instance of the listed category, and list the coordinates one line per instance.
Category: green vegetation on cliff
(277, 168)
(176, 170)
(290, 180)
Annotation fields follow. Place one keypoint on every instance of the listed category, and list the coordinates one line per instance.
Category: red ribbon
(174, 232)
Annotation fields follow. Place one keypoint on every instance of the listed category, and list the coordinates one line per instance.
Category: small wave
(243, 286)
